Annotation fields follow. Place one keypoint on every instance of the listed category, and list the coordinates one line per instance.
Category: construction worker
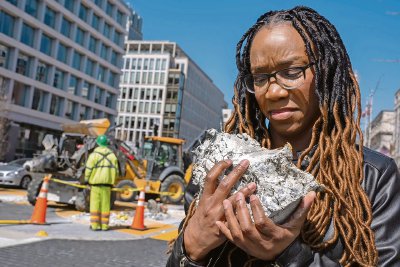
(100, 173)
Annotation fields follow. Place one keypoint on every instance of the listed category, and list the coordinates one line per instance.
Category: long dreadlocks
(337, 160)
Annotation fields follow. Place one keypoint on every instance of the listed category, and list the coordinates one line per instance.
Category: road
(69, 242)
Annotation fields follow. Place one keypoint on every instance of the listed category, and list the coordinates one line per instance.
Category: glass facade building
(163, 92)
(60, 61)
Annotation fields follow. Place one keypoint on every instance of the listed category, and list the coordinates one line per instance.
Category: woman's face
(291, 113)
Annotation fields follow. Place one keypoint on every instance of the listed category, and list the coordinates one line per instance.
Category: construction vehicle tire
(33, 190)
(126, 196)
(82, 200)
(172, 184)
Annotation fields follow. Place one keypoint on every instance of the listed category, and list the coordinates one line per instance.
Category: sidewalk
(68, 224)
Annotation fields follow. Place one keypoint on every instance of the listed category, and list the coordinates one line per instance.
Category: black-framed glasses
(290, 78)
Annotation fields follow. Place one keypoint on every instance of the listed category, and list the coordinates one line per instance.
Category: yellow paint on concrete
(42, 233)
(167, 236)
(13, 191)
(152, 228)
(63, 213)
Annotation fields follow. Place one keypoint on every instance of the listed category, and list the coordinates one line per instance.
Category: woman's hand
(262, 239)
(202, 234)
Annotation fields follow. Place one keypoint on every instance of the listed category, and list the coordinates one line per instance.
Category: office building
(60, 62)
(163, 92)
(382, 130)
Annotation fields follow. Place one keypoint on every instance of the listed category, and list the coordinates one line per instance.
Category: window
(7, 24)
(99, 3)
(109, 9)
(27, 35)
(49, 17)
(39, 100)
(23, 64)
(96, 114)
(20, 95)
(111, 78)
(114, 58)
(31, 7)
(59, 77)
(117, 38)
(120, 18)
(101, 74)
(83, 13)
(98, 95)
(89, 67)
(62, 53)
(66, 27)
(70, 5)
(4, 56)
(14, 2)
(84, 113)
(70, 109)
(85, 92)
(80, 36)
(95, 21)
(109, 100)
(93, 44)
(107, 30)
(46, 45)
(73, 85)
(77, 60)
(104, 51)
(42, 72)
(55, 105)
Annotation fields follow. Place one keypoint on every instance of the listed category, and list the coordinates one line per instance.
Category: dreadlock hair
(337, 160)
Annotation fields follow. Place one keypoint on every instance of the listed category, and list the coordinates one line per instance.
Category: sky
(208, 31)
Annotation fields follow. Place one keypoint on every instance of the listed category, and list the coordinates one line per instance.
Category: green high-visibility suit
(101, 172)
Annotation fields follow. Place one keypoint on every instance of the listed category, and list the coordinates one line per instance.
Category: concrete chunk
(280, 184)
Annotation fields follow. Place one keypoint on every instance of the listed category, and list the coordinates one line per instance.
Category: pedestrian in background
(101, 173)
(294, 71)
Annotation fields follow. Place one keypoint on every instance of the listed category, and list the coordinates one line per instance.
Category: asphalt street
(69, 243)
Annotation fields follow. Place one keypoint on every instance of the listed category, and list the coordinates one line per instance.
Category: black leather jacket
(382, 184)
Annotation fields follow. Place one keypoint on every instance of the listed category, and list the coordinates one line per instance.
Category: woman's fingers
(243, 216)
(211, 179)
(233, 223)
(261, 221)
(298, 217)
(225, 186)
(247, 191)
(224, 230)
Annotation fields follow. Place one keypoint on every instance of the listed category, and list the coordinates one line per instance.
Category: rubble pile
(280, 184)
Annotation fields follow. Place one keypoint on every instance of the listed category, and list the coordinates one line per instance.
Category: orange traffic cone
(39, 212)
(138, 221)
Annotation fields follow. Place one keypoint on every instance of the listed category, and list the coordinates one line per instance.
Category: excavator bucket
(88, 127)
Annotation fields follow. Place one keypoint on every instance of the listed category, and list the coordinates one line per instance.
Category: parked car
(13, 173)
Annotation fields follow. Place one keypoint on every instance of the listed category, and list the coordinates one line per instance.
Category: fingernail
(239, 197)
(228, 161)
(225, 204)
(253, 198)
(252, 186)
(244, 163)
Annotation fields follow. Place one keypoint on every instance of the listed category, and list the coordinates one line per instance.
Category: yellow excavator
(157, 166)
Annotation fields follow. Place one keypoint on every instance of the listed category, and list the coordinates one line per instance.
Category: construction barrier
(138, 221)
(115, 189)
(39, 212)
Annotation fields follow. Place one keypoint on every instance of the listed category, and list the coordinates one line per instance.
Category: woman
(294, 71)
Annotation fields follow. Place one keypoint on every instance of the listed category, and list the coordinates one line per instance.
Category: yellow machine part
(169, 140)
(89, 127)
(188, 173)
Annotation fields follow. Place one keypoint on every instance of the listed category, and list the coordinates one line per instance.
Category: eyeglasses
(290, 78)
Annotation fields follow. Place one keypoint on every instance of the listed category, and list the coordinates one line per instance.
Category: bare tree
(5, 123)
